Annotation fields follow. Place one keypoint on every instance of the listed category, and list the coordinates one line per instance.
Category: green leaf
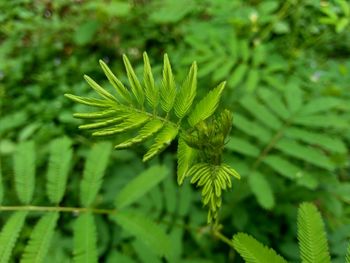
(311, 235)
(294, 97)
(304, 153)
(242, 146)
(95, 166)
(168, 88)
(129, 122)
(238, 74)
(136, 87)
(152, 93)
(140, 185)
(185, 157)
(85, 250)
(275, 103)
(10, 233)
(252, 80)
(58, 168)
(40, 239)
(207, 106)
(322, 104)
(140, 226)
(163, 139)
(187, 93)
(101, 91)
(316, 138)
(251, 128)
(116, 83)
(282, 166)
(330, 120)
(253, 251)
(105, 122)
(262, 190)
(147, 131)
(260, 112)
(96, 115)
(90, 102)
(24, 168)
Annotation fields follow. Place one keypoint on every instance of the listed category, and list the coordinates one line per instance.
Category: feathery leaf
(24, 168)
(185, 157)
(129, 122)
(116, 83)
(140, 226)
(168, 88)
(101, 91)
(140, 185)
(136, 87)
(95, 166)
(40, 239)
(163, 139)
(58, 168)
(207, 106)
(311, 235)
(152, 93)
(253, 251)
(187, 93)
(305, 153)
(261, 189)
(96, 115)
(10, 233)
(85, 236)
(88, 101)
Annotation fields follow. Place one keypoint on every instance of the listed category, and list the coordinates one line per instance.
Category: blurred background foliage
(288, 74)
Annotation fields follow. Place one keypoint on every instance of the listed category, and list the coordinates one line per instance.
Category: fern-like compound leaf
(140, 185)
(168, 88)
(116, 83)
(24, 168)
(85, 250)
(253, 251)
(58, 168)
(207, 106)
(152, 93)
(311, 235)
(140, 226)
(163, 139)
(145, 132)
(94, 170)
(101, 91)
(185, 157)
(126, 111)
(10, 233)
(40, 239)
(187, 93)
(135, 84)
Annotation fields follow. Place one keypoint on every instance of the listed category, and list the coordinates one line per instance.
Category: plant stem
(58, 209)
(223, 238)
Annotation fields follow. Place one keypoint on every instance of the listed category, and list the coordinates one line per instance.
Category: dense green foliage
(287, 72)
